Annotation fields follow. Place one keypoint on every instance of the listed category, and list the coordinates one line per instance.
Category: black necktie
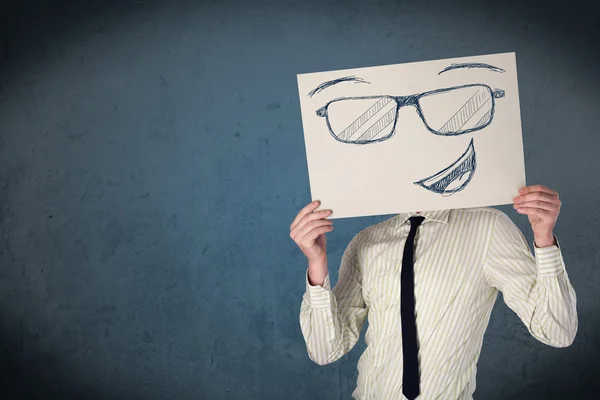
(410, 348)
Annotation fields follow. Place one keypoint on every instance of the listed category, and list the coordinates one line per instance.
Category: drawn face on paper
(430, 115)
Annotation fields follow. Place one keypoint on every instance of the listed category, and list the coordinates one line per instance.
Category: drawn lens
(458, 110)
(366, 119)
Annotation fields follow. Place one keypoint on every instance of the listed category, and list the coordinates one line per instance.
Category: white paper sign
(420, 136)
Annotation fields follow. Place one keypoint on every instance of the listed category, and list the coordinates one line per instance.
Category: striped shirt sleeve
(331, 320)
(536, 288)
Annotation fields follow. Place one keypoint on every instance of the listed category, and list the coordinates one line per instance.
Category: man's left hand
(542, 206)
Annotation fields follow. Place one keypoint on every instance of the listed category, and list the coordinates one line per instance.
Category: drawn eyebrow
(327, 84)
(472, 65)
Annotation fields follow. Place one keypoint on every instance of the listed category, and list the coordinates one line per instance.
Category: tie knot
(416, 221)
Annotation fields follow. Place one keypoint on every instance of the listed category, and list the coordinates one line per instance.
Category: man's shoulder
(457, 215)
(484, 212)
(378, 230)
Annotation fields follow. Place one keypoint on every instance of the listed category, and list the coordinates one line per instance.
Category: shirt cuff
(318, 296)
(549, 259)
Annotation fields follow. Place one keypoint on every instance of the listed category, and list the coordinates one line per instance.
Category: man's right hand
(308, 231)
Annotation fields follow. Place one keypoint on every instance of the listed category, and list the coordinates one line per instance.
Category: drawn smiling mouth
(455, 177)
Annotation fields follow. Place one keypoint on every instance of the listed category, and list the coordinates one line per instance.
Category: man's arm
(537, 289)
(331, 320)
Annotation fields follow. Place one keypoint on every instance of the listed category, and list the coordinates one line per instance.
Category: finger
(543, 205)
(539, 196)
(310, 207)
(312, 225)
(315, 215)
(536, 212)
(537, 188)
(310, 238)
(305, 226)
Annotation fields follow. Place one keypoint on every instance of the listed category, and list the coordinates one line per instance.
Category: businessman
(427, 282)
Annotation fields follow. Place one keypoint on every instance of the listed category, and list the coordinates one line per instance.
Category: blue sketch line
(327, 84)
(484, 118)
(379, 125)
(472, 65)
(454, 126)
(360, 121)
(466, 112)
(441, 182)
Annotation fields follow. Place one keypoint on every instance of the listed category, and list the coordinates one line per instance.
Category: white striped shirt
(462, 259)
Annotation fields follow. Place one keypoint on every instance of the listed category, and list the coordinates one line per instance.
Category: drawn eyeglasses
(447, 112)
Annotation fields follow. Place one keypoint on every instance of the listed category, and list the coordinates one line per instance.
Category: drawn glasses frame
(413, 100)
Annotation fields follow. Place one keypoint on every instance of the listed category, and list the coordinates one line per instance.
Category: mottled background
(152, 159)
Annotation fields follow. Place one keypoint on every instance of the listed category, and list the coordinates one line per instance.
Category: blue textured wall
(152, 159)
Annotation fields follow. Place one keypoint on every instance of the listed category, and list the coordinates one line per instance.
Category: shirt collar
(435, 215)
